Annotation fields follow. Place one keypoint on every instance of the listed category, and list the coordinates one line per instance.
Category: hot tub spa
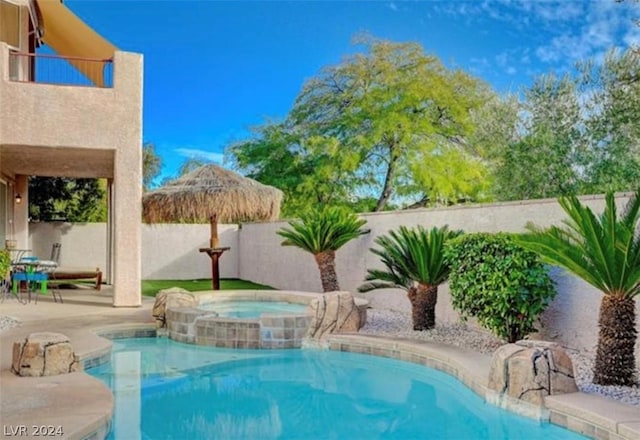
(246, 319)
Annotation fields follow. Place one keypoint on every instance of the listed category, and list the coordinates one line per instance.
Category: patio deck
(78, 403)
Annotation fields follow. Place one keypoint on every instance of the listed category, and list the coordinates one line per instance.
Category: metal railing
(54, 69)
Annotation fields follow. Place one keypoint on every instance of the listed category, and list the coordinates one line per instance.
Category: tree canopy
(387, 125)
(568, 135)
(151, 165)
(72, 200)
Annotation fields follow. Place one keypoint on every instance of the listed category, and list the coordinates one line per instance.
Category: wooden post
(215, 255)
(214, 242)
(215, 270)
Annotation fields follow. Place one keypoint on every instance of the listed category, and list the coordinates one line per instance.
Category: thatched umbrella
(208, 190)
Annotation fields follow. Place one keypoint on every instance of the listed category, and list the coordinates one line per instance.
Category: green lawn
(152, 287)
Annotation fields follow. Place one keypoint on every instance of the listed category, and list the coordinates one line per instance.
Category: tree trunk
(387, 190)
(615, 357)
(423, 306)
(327, 264)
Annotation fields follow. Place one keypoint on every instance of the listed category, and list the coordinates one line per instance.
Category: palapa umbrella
(208, 190)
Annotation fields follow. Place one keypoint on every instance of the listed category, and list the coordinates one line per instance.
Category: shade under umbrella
(210, 189)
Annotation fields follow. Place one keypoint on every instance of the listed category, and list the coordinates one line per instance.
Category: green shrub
(496, 281)
(5, 264)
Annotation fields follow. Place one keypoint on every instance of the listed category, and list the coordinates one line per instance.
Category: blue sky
(215, 68)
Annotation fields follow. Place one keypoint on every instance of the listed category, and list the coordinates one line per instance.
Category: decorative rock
(532, 370)
(44, 354)
(333, 313)
(171, 298)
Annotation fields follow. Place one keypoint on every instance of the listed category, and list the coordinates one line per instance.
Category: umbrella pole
(214, 252)
(214, 242)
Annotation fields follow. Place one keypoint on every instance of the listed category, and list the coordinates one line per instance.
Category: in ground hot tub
(253, 309)
(245, 319)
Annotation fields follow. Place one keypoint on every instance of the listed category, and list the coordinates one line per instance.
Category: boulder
(532, 370)
(44, 354)
(171, 298)
(334, 312)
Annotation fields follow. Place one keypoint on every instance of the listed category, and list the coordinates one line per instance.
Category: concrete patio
(79, 404)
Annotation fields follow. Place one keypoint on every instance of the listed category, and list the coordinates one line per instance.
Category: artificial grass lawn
(152, 287)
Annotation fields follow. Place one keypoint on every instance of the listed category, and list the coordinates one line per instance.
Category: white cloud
(194, 153)
(604, 26)
(479, 65)
(553, 11)
(393, 6)
(505, 60)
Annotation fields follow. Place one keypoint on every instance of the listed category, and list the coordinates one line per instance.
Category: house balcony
(56, 121)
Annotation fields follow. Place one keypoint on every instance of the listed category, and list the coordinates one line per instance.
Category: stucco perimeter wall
(168, 251)
(84, 245)
(171, 252)
(572, 317)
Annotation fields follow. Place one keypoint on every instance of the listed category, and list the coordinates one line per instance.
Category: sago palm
(414, 262)
(322, 233)
(605, 252)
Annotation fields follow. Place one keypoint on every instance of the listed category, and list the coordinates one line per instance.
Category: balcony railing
(54, 69)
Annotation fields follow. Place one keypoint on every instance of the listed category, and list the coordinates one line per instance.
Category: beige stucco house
(76, 114)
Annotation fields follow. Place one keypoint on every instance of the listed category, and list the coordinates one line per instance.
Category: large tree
(612, 103)
(73, 200)
(541, 157)
(151, 165)
(305, 169)
(568, 135)
(390, 123)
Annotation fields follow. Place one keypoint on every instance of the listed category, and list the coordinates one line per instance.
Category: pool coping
(591, 415)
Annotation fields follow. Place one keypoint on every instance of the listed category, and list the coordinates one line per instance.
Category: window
(10, 24)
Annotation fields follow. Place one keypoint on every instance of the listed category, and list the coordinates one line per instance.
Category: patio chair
(55, 252)
(58, 273)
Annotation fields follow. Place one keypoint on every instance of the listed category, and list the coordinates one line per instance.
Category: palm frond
(410, 256)
(603, 250)
(323, 230)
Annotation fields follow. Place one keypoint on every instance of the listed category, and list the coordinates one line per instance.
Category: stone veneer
(193, 325)
(196, 326)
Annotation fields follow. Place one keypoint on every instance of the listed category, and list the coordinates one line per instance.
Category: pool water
(252, 309)
(167, 390)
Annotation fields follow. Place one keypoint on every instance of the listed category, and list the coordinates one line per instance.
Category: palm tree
(322, 233)
(605, 252)
(414, 262)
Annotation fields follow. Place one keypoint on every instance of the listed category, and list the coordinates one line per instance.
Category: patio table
(32, 271)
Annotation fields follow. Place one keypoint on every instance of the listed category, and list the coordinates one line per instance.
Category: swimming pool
(252, 309)
(165, 389)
